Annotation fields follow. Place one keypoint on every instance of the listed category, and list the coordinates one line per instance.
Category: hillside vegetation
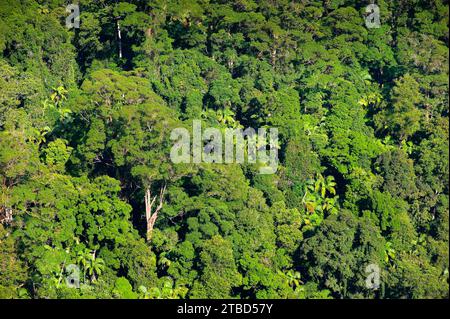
(85, 121)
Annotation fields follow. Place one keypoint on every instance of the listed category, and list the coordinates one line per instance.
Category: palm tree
(226, 116)
(389, 252)
(39, 135)
(83, 257)
(293, 278)
(322, 185)
(58, 94)
(407, 146)
(94, 266)
(330, 185)
(310, 185)
(329, 205)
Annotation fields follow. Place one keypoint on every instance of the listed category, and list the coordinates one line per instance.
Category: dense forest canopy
(85, 119)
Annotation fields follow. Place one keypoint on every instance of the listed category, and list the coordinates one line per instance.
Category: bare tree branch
(151, 215)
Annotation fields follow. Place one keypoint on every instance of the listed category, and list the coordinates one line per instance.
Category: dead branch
(150, 214)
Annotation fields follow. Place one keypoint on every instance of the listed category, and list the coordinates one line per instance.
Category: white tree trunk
(119, 36)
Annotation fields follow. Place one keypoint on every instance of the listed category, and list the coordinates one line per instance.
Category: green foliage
(85, 122)
(219, 273)
(123, 289)
(13, 272)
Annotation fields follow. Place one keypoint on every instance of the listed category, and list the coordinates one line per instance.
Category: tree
(402, 119)
(95, 266)
(219, 274)
(13, 272)
(85, 121)
(151, 215)
(339, 251)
